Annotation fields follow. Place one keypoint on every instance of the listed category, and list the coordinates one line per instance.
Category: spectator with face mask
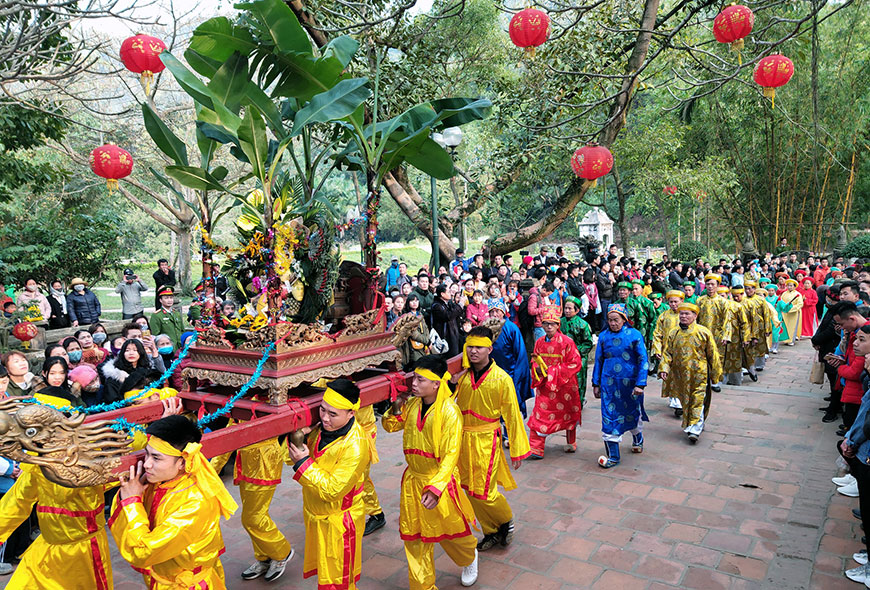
(73, 350)
(85, 381)
(130, 289)
(91, 353)
(32, 297)
(58, 316)
(82, 304)
(99, 334)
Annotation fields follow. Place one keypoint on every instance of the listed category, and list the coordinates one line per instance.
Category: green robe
(579, 331)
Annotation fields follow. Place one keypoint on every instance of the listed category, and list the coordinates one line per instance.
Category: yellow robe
(714, 314)
(366, 418)
(453, 516)
(333, 510)
(171, 535)
(691, 360)
(791, 320)
(739, 329)
(482, 463)
(72, 553)
(257, 473)
(667, 321)
(759, 313)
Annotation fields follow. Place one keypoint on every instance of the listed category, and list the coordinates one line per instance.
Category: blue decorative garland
(99, 408)
(227, 408)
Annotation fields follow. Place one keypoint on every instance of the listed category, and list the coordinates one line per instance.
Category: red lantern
(25, 332)
(112, 163)
(592, 162)
(732, 25)
(772, 72)
(141, 55)
(670, 190)
(529, 28)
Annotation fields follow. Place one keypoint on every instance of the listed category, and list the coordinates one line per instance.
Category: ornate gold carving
(69, 453)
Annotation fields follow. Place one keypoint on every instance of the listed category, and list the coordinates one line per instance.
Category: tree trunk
(421, 221)
(621, 199)
(185, 241)
(666, 231)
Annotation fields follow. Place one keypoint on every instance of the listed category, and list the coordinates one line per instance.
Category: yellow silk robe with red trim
(366, 418)
(433, 465)
(333, 509)
(482, 463)
(72, 553)
(758, 312)
(557, 397)
(714, 313)
(171, 536)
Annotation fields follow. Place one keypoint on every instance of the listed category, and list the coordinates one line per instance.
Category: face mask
(115, 351)
(74, 355)
(99, 337)
(79, 288)
(93, 386)
(32, 288)
(56, 291)
(165, 350)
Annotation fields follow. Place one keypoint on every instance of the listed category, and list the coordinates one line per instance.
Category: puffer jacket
(83, 307)
(850, 372)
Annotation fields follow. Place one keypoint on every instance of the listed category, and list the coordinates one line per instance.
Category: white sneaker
(255, 570)
(850, 490)
(860, 574)
(276, 567)
(469, 572)
(846, 480)
(860, 557)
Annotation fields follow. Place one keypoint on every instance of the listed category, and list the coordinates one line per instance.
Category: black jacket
(605, 287)
(826, 336)
(675, 280)
(445, 317)
(57, 319)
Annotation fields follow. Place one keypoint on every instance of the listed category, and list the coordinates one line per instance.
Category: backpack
(527, 322)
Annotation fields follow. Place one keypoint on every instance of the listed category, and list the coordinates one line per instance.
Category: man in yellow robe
(714, 314)
(760, 323)
(166, 518)
(258, 473)
(667, 321)
(433, 508)
(485, 395)
(736, 358)
(72, 551)
(331, 474)
(375, 518)
(690, 363)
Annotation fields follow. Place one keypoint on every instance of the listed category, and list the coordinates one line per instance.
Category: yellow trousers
(268, 541)
(491, 514)
(370, 495)
(421, 562)
(80, 565)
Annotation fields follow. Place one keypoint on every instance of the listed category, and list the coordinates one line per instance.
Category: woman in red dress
(809, 322)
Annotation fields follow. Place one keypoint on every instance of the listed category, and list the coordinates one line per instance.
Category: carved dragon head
(68, 451)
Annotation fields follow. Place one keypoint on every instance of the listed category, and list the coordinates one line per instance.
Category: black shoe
(506, 533)
(828, 398)
(693, 438)
(828, 417)
(374, 522)
(825, 409)
(678, 412)
(759, 369)
(488, 542)
(716, 388)
(753, 376)
(856, 513)
(841, 432)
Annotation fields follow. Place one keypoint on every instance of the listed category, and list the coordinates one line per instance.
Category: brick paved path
(750, 506)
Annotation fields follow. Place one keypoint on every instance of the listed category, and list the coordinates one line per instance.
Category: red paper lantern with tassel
(772, 72)
(670, 190)
(591, 162)
(732, 25)
(112, 163)
(25, 332)
(529, 29)
(141, 55)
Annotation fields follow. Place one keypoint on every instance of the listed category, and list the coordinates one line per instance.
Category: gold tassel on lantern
(530, 52)
(112, 184)
(738, 47)
(146, 78)
(770, 93)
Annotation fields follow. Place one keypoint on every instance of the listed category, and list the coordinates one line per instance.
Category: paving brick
(704, 579)
(575, 571)
(745, 567)
(660, 569)
(611, 580)
(666, 495)
(684, 532)
(696, 555)
(727, 541)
